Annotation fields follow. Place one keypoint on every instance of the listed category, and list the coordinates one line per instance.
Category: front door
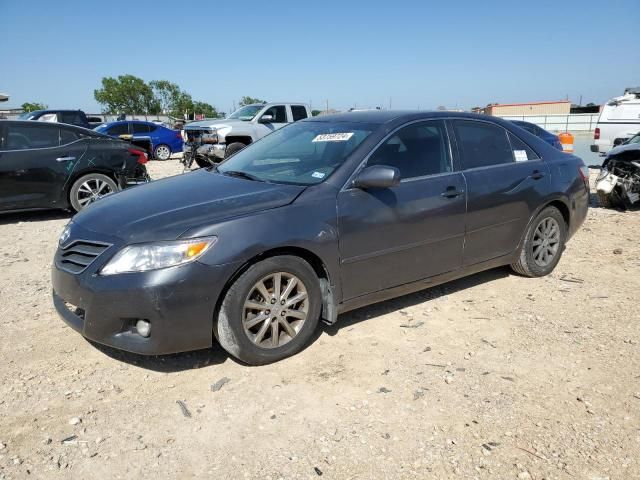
(393, 236)
(506, 181)
(279, 119)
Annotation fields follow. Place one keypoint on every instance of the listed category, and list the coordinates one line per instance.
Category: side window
(152, 127)
(278, 112)
(140, 127)
(521, 151)
(416, 150)
(118, 129)
(33, 135)
(298, 112)
(67, 136)
(72, 118)
(482, 144)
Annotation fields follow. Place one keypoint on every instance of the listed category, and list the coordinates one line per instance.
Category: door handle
(452, 192)
(65, 159)
(537, 174)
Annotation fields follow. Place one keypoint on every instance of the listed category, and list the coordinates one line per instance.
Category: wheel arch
(560, 203)
(246, 139)
(329, 308)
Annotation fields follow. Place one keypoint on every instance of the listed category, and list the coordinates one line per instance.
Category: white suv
(618, 120)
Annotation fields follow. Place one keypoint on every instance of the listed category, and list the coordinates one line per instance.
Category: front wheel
(270, 312)
(89, 188)
(543, 244)
(162, 152)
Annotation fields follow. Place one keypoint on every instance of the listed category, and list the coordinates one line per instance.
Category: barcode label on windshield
(333, 137)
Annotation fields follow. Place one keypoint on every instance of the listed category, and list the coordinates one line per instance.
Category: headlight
(152, 256)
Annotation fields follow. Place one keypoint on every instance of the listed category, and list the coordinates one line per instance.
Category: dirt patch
(491, 376)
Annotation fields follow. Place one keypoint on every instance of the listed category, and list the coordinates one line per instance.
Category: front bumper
(216, 150)
(178, 302)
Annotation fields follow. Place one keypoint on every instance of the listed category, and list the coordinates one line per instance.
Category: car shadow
(216, 355)
(34, 216)
(175, 362)
(353, 317)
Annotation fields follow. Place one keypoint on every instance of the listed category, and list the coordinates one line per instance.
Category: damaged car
(618, 184)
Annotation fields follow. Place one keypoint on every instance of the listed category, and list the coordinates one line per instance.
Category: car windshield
(27, 115)
(303, 153)
(246, 113)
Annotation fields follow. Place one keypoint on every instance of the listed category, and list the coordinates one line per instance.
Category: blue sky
(421, 54)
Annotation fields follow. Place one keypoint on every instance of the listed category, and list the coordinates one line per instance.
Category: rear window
(298, 112)
(73, 118)
(521, 151)
(67, 136)
(140, 128)
(482, 144)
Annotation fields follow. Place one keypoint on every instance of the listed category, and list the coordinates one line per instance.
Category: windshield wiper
(239, 174)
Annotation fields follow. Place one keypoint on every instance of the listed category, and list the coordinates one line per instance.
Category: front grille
(79, 254)
(200, 136)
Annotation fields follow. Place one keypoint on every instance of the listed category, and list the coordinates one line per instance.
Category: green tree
(315, 113)
(127, 94)
(209, 111)
(31, 106)
(249, 100)
(167, 94)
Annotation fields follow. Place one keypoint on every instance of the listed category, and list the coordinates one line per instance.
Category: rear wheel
(162, 152)
(543, 244)
(270, 312)
(233, 148)
(89, 188)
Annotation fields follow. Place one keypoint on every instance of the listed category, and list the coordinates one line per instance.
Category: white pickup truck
(208, 142)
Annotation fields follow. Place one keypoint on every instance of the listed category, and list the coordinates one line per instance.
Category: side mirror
(266, 119)
(377, 176)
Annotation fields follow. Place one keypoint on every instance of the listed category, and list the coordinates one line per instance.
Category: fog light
(143, 327)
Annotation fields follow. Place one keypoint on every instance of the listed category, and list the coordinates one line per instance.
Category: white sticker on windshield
(521, 155)
(318, 175)
(333, 137)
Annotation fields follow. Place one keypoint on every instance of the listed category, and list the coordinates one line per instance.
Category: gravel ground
(491, 376)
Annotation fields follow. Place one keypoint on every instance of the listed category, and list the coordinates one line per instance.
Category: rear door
(506, 181)
(35, 161)
(393, 236)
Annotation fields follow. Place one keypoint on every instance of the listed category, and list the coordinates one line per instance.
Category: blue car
(164, 141)
(548, 137)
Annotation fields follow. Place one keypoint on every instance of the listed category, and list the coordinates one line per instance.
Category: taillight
(596, 134)
(142, 156)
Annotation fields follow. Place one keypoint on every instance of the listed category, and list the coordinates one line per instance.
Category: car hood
(624, 150)
(218, 124)
(165, 209)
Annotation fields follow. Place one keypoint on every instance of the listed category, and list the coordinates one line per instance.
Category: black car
(548, 137)
(70, 117)
(322, 216)
(51, 165)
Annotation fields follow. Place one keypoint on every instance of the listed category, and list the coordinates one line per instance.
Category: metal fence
(575, 122)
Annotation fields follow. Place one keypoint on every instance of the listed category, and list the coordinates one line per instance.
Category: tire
(89, 188)
(531, 258)
(234, 330)
(162, 152)
(607, 200)
(233, 148)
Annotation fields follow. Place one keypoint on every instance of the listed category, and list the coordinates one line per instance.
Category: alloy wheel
(92, 190)
(275, 310)
(546, 240)
(162, 152)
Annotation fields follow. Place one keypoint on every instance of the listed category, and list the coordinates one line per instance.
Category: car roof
(387, 116)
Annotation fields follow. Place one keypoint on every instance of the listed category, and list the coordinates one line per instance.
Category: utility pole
(389, 103)
(580, 100)
(327, 105)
